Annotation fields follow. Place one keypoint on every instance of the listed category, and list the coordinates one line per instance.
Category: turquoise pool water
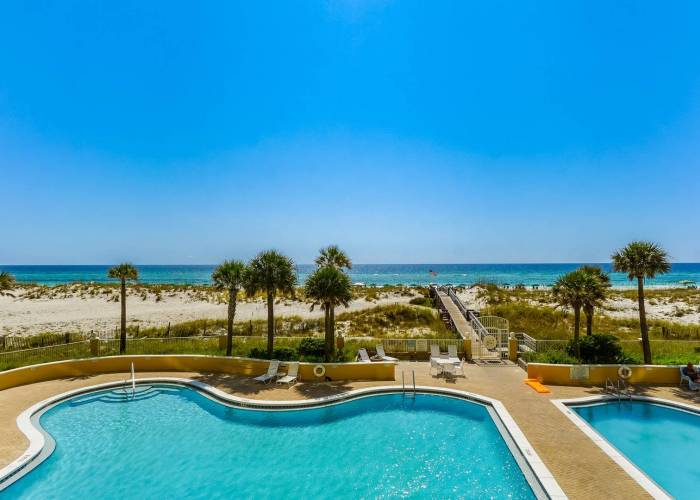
(662, 441)
(172, 442)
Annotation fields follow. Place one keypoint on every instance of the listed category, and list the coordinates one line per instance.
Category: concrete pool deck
(580, 467)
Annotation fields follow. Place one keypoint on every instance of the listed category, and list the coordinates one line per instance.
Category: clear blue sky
(411, 131)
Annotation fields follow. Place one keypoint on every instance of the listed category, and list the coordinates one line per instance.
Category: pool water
(172, 442)
(662, 441)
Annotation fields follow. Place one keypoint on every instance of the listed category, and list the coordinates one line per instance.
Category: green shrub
(421, 301)
(313, 347)
(554, 357)
(597, 349)
(281, 353)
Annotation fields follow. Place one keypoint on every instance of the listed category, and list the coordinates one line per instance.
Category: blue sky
(180, 132)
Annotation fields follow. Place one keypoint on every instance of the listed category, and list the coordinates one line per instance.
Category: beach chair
(363, 356)
(382, 354)
(291, 376)
(452, 353)
(434, 365)
(449, 370)
(459, 368)
(435, 351)
(268, 377)
(693, 386)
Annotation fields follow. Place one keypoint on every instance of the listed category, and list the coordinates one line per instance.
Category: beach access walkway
(457, 319)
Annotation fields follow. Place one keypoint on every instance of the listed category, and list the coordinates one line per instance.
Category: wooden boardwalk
(458, 320)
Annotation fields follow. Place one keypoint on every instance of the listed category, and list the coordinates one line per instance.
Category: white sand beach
(75, 312)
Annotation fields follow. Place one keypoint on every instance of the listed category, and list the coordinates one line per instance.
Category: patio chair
(452, 353)
(271, 372)
(693, 386)
(291, 376)
(434, 365)
(449, 370)
(382, 354)
(459, 368)
(364, 357)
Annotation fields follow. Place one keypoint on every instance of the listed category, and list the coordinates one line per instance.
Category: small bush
(554, 357)
(281, 353)
(421, 301)
(313, 347)
(597, 349)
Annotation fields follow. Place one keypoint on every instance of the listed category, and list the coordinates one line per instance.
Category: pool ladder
(403, 384)
(133, 382)
(619, 389)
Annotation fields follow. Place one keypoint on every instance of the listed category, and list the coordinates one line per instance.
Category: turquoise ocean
(368, 274)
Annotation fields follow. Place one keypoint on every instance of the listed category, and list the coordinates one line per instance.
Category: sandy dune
(25, 316)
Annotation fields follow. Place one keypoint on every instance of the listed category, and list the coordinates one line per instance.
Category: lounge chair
(693, 386)
(291, 375)
(271, 372)
(435, 351)
(452, 353)
(382, 354)
(364, 357)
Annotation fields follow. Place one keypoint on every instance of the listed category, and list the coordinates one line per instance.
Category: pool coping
(642, 478)
(40, 440)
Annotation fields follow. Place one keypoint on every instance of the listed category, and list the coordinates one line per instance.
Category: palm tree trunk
(270, 323)
(331, 327)
(327, 330)
(577, 327)
(229, 325)
(122, 334)
(588, 311)
(643, 321)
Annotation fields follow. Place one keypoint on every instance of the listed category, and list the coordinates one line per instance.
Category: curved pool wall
(650, 438)
(367, 409)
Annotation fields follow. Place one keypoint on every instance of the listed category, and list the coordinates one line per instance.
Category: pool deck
(580, 467)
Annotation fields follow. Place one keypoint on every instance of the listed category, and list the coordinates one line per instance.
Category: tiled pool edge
(649, 485)
(38, 440)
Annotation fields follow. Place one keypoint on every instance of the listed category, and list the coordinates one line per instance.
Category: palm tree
(332, 256)
(272, 273)
(596, 285)
(568, 291)
(7, 283)
(640, 260)
(123, 272)
(230, 276)
(330, 287)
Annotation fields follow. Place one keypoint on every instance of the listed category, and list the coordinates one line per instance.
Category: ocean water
(369, 274)
(174, 443)
(660, 440)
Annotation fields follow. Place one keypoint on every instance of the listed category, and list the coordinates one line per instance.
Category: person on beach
(691, 372)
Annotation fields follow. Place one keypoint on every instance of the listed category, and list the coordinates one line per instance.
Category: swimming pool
(660, 440)
(174, 442)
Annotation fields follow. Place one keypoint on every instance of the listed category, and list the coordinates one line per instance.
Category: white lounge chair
(291, 376)
(271, 372)
(435, 351)
(364, 357)
(693, 386)
(452, 353)
(382, 354)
